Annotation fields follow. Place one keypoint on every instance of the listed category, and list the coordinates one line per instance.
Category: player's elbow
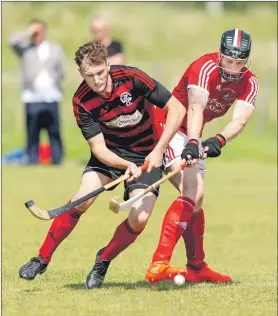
(99, 151)
(175, 107)
(181, 110)
(98, 148)
(195, 108)
(243, 121)
(178, 108)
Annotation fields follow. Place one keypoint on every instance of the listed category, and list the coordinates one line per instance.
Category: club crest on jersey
(126, 98)
(229, 94)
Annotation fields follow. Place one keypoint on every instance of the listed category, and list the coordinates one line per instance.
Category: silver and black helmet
(235, 44)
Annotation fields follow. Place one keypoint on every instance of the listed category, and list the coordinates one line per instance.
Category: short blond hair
(92, 53)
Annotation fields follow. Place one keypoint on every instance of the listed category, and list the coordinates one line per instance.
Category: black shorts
(138, 158)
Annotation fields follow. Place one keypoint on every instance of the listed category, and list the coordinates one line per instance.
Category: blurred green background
(241, 195)
(160, 38)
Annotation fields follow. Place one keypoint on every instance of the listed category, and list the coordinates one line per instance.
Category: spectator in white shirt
(42, 71)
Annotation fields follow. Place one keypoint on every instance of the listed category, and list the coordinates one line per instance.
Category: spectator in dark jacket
(100, 32)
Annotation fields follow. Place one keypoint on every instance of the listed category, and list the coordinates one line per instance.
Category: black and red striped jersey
(127, 117)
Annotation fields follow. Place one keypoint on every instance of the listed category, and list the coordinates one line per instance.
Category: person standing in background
(42, 71)
(100, 32)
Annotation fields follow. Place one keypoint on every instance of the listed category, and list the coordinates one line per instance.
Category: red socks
(193, 239)
(123, 237)
(63, 225)
(174, 223)
(59, 230)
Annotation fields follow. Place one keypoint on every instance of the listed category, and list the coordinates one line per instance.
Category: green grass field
(240, 199)
(240, 239)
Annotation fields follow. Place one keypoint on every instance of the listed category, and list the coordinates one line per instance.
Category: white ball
(179, 279)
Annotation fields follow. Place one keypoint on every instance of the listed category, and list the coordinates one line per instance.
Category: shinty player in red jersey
(208, 88)
(113, 107)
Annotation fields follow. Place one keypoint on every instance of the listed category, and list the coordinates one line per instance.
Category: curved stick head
(114, 204)
(36, 211)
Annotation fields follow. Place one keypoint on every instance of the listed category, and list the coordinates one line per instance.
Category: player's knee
(83, 207)
(138, 221)
(198, 205)
(195, 194)
(142, 220)
(199, 197)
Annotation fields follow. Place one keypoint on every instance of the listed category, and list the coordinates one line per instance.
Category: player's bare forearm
(175, 115)
(103, 154)
(213, 145)
(241, 115)
(195, 119)
(107, 157)
(197, 100)
(234, 128)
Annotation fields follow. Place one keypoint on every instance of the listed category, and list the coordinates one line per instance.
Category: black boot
(29, 270)
(96, 276)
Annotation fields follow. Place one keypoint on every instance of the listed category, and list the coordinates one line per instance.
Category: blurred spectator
(42, 70)
(214, 7)
(100, 33)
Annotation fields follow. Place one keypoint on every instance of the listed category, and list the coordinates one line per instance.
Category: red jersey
(204, 74)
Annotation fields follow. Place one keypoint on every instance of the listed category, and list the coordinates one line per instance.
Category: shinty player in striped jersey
(114, 108)
(208, 88)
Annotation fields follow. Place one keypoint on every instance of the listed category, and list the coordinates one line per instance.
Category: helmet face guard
(235, 44)
(230, 75)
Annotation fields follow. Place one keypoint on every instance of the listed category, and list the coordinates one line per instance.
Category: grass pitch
(241, 219)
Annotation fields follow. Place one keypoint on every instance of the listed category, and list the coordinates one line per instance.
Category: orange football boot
(161, 270)
(206, 275)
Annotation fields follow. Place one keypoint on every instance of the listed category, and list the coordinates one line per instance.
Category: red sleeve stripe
(75, 110)
(84, 93)
(205, 72)
(80, 94)
(142, 77)
(81, 90)
(93, 104)
(77, 102)
(254, 90)
(136, 74)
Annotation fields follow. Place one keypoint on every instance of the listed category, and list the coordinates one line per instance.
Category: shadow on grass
(162, 286)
